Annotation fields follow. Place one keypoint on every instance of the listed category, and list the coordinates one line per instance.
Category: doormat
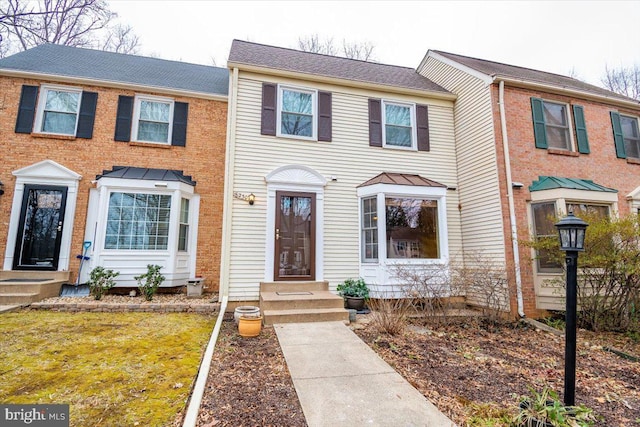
(25, 280)
(284, 294)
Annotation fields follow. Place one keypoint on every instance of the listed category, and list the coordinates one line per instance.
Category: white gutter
(193, 410)
(512, 210)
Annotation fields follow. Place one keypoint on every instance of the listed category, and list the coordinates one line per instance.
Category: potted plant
(100, 281)
(354, 292)
(545, 410)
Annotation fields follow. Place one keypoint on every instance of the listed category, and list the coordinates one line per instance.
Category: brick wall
(203, 158)
(529, 162)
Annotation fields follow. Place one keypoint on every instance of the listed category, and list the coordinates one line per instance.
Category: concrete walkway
(340, 381)
(8, 308)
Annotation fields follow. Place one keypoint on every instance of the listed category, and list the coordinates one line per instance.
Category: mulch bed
(249, 383)
(468, 367)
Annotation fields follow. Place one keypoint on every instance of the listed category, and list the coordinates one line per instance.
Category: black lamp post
(572, 231)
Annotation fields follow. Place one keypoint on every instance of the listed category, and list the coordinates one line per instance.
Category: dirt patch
(469, 368)
(249, 383)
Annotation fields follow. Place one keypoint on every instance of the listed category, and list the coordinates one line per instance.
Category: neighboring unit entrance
(295, 236)
(40, 228)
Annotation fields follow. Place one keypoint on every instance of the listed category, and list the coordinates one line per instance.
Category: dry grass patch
(112, 368)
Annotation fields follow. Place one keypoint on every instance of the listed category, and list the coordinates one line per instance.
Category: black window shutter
(87, 115)
(27, 109)
(324, 116)
(581, 129)
(539, 128)
(269, 100)
(375, 123)
(618, 136)
(123, 118)
(422, 124)
(179, 132)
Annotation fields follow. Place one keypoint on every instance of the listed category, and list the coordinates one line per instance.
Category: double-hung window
(398, 125)
(297, 112)
(631, 136)
(183, 234)
(152, 118)
(544, 218)
(369, 230)
(58, 110)
(552, 126)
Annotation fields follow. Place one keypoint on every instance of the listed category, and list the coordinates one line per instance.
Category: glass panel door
(40, 228)
(295, 236)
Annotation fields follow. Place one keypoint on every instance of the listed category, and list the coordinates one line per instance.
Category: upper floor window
(398, 124)
(58, 110)
(552, 126)
(297, 110)
(631, 136)
(152, 118)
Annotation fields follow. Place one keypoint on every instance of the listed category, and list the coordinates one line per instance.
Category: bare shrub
(483, 281)
(389, 315)
(427, 289)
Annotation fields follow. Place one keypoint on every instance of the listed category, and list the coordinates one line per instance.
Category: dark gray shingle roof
(511, 71)
(116, 67)
(130, 172)
(279, 58)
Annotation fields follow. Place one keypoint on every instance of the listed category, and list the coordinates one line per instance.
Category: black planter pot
(354, 303)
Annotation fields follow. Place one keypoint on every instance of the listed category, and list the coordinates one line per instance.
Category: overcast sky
(556, 36)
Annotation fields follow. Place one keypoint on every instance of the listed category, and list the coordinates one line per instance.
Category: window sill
(633, 161)
(149, 144)
(563, 152)
(53, 136)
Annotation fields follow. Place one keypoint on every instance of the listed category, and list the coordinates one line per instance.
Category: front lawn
(114, 369)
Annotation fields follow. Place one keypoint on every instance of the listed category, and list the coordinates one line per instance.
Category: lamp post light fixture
(572, 231)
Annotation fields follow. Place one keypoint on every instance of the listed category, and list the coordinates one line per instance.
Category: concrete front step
(21, 298)
(285, 300)
(272, 317)
(294, 286)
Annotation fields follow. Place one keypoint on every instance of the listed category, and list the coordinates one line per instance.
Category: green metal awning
(552, 182)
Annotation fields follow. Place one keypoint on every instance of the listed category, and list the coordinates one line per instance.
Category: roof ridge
(325, 55)
(509, 65)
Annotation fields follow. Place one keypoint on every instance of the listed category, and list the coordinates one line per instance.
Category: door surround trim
(46, 172)
(300, 179)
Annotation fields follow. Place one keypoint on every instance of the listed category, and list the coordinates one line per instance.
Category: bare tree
(327, 46)
(623, 80)
(81, 23)
(121, 39)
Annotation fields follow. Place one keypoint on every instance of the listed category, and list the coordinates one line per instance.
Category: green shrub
(100, 281)
(353, 288)
(149, 282)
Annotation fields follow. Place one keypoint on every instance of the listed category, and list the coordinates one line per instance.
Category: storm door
(295, 238)
(40, 228)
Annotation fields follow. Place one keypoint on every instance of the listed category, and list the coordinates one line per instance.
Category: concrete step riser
(62, 276)
(8, 299)
(293, 286)
(305, 318)
(45, 290)
(301, 304)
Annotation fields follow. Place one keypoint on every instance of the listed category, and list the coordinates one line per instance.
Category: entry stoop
(26, 287)
(297, 302)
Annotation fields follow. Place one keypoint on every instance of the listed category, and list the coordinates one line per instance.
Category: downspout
(512, 210)
(227, 211)
(191, 417)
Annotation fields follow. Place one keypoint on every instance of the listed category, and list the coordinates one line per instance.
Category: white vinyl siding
(481, 214)
(348, 158)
